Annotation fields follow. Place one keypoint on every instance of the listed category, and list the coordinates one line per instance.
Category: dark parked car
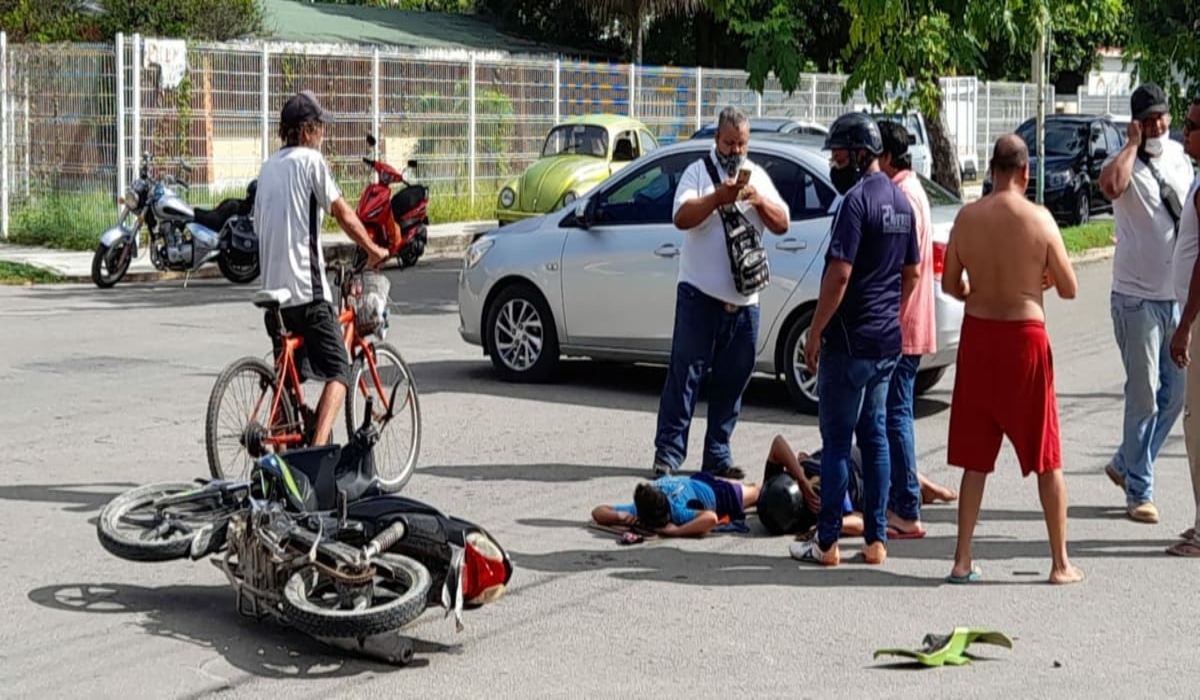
(781, 125)
(1076, 146)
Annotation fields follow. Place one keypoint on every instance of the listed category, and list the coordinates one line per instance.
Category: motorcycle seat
(271, 299)
(215, 218)
(327, 470)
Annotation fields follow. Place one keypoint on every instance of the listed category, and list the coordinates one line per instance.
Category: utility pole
(1040, 69)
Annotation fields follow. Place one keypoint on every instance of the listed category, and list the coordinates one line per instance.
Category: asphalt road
(102, 391)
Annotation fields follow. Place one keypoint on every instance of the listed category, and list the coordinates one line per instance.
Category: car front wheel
(801, 383)
(522, 339)
(927, 379)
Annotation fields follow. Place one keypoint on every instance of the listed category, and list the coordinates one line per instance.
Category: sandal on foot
(972, 576)
(1186, 548)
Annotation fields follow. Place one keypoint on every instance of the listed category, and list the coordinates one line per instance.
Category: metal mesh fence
(470, 122)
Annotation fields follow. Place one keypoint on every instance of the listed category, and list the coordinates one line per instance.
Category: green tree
(633, 15)
(892, 42)
(44, 21)
(1164, 39)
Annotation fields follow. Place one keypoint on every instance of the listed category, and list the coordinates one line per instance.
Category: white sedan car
(598, 279)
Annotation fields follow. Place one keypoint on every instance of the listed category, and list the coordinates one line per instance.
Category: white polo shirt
(295, 190)
(1143, 263)
(704, 260)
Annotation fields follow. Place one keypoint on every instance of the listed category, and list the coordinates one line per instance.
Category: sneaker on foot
(1113, 476)
(735, 473)
(661, 468)
(875, 553)
(1144, 512)
(810, 553)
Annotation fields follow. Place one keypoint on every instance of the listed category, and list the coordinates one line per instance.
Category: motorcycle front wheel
(110, 263)
(133, 528)
(320, 605)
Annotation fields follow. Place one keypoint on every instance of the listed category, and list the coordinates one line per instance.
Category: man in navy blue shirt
(854, 341)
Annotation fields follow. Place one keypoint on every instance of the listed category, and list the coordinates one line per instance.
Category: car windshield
(576, 139)
(1062, 138)
(938, 195)
(909, 121)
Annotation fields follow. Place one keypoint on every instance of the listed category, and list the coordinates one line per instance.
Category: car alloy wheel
(518, 335)
(805, 380)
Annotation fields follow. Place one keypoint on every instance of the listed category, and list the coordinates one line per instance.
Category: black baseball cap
(1147, 100)
(302, 107)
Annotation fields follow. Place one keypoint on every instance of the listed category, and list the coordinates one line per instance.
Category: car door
(792, 255)
(619, 274)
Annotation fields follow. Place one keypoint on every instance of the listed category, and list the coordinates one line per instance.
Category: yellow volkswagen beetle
(579, 153)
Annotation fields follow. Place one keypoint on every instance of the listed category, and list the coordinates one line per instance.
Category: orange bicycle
(269, 413)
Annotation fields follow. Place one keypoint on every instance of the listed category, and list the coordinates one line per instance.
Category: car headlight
(1058, 178)
(476, 251)
(569, 199)
(507, 197)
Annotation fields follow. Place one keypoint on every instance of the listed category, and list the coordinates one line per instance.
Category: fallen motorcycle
(183, 238)
(309, 541)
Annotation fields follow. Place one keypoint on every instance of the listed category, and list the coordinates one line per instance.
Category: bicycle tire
(389, 478)
(266, 374)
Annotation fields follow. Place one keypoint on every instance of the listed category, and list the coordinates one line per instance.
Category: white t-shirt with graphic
(295, 190)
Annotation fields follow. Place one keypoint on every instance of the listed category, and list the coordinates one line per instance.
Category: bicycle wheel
(400, 440)
(131, 527)
(234, 434)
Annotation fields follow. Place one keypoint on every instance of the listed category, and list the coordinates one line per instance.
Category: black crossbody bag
(1168, 194)
(743, 242)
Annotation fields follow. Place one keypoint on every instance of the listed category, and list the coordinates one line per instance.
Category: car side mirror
(584, 211)
(912, 139)
(1100, 153)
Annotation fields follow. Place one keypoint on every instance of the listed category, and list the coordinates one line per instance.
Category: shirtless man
(1011, 251)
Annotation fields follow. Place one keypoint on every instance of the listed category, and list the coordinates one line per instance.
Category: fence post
(266, 102)
(135, 153)
(987, 126)
(813, 116)
(557, 90)
(3, 136)
(375, 94)
(699, 99)
(758, 104)
(1023, 112)
(120, 97)
(471, 129)
(632, 89)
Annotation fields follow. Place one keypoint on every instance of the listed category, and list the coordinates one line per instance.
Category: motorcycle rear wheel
(312, 604)
(127, 538)
(238, 273)
(104, 259)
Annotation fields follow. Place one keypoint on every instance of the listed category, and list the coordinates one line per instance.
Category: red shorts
(1004, 385)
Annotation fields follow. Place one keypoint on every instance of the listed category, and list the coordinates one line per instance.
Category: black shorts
(323, 355)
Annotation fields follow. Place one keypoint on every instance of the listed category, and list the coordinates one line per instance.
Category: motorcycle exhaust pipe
(384, 540)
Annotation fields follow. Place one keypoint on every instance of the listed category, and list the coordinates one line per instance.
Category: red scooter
(398, 222)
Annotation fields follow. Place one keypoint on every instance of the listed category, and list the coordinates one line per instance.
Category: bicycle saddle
(271, 298)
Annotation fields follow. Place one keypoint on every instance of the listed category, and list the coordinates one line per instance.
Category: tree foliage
(633, 15)
(1164, 38)
(75, 20)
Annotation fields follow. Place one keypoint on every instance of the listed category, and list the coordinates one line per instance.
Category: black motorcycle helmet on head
(855, 132)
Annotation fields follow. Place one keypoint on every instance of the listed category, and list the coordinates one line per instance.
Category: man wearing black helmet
(854, 341)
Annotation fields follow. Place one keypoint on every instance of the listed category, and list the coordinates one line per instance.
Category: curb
(1093, 255)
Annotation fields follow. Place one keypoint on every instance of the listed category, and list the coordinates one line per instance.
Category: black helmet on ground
(781, 505)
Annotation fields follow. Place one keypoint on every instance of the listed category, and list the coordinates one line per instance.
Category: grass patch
(20, 273)
(1097, 234)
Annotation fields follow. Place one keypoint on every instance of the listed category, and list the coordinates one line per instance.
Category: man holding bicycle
(295, 189)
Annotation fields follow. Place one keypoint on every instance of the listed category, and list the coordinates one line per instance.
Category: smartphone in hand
(743, 176)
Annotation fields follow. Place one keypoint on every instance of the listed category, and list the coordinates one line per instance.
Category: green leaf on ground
(20, 273)
(1097, 234)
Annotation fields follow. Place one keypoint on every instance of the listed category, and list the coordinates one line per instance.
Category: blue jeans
(706, 336)
(905, 497)
(852, 394)
(1154, 388)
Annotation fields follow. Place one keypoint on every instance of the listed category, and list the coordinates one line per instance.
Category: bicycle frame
(287, 374)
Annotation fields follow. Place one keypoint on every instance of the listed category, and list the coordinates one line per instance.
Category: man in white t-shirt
(1145, 180)
(295, 189)
(716, 327)
(1184, 342)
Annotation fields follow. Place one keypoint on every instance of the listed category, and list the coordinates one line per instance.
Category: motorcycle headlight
(476, 251)
(569, 199)
(130, 198)
(507, 197)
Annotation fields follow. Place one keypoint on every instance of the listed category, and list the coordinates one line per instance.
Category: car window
(938, 195)
(1098, 140)
(1062, 138)
(646, 195)
(807, 196)
(649, 143)
(582, 139)
(1115, 141)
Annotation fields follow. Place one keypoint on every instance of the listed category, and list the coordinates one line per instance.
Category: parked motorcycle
(310, 541)
(183, 238)
(398, 222)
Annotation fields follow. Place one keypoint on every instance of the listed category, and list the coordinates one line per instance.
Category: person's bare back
(1010, 248)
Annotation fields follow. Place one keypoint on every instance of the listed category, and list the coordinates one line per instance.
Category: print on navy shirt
(875, 231)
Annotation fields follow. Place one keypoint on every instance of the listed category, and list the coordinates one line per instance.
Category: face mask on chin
(1153, 147)
(730, 164)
